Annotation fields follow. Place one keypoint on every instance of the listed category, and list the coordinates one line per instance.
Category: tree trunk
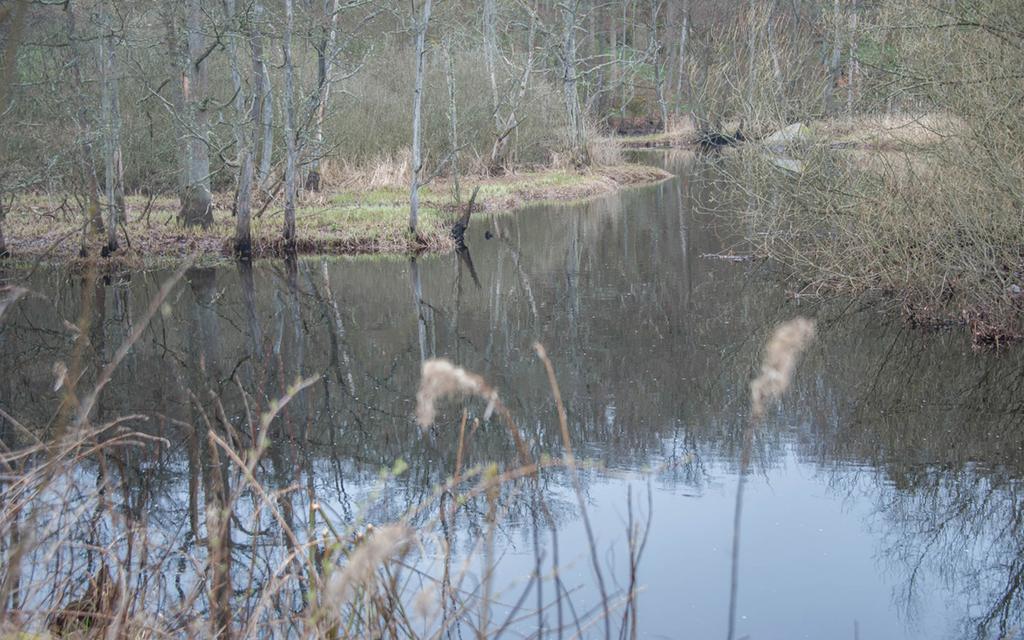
(683, 72)
(773, 50)
(499, 149)
(417, 102)
(111, 114)
(4, 253)
(491, 56)
(170, 13)
(10, 56)
(852, 64)
(93, 215)
(752, 33)
(613, 44)
(245, 129)
(574, 115)
(623, 100)
(14, 33)
(325, 62)
(196, 201)
(453, 121)
(834, 63)
(289, 132)
(266, 118)
(659, 69)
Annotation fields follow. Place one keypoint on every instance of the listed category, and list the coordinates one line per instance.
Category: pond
(884, 494)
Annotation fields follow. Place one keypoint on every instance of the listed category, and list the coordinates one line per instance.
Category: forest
(511, 318)
(267, 128)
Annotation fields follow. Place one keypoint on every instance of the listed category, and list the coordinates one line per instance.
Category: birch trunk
(197, 203)
(170, 13)
(93, 215)
(453, 120)
(682, 72)
(574, 115)
(291, 160)
(752, 33)
(325, 62)
(10, 50)
(4, 253)
(659, 69)
(773, 50)
(111, 114)
(10, 56)
(263, 107)
(244, 128)
(613, 44)
(266, 116)
(623, 85)
(417, 102)
(851, 69)
(491, 56)
(499, 149)
(834, 63)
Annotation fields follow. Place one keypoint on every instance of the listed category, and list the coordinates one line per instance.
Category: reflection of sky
(809, 565)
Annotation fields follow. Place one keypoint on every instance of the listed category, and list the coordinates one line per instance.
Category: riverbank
(897, 132)
(922, 215)
(345, 221)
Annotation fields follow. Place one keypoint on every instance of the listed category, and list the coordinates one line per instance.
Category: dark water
(884, 499)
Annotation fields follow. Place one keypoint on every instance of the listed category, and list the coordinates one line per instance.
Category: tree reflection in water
(654, 347)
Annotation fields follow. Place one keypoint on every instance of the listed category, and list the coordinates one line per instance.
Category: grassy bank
(897, 132)
(348, 220)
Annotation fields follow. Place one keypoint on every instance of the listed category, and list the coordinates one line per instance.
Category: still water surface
(884, 497)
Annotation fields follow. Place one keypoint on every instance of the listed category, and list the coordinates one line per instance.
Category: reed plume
(780, 357)
(440, 379)
(377, 548)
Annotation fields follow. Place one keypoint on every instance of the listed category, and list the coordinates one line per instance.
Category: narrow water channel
(885, 495)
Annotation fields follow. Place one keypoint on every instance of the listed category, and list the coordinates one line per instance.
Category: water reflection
(905, 448)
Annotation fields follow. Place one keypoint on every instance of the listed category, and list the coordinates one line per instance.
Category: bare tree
(171, 14)
(10, 55)
(834, 68)
(245, 122)
(291, 143)
(507, 124)
(111, 117)
(4, 253)
(574, 113)
(93, 216)
(656, 47)
(453, 118)
(326, 52)
(491, 54)
(752, 38)
(196, 201)
(852, 63)
(420, 26)
(266, 109)
(682, 72)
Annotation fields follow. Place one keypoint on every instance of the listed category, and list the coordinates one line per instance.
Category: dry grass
(918, 229)
(84, 558)
(681, 133)
(901, 131)
(81, 562)
(369, 214)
